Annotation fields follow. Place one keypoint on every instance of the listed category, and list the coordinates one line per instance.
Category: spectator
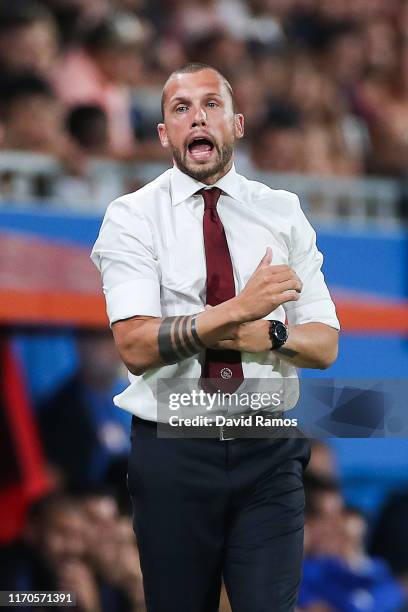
(251, 101)
(344, 54)
(32, 116)
(61, 551)
(337, 572)
(97, 184)
(323, 511)
(220, 49)
(322, 462)
(277, 145)
(114, 557)
(335, 140)
(380, 39)
(54, 537)
(389, 538)
(339, 63)
(81, 410)
(87, 126)
(194, 19)
(100, 73)
(354, 532)
(273, 70)
(28, 38)
(73, 17)
(382, 98)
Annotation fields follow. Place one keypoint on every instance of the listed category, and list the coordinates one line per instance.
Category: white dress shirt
(150, 252)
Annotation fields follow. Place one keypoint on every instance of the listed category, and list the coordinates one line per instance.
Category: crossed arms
(150, 342)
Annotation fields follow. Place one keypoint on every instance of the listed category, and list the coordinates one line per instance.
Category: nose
(199, 118)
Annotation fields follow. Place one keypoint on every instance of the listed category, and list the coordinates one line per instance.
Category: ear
(161, 128)
(239, 125)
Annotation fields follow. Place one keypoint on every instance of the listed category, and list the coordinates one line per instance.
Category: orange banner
(87, 310)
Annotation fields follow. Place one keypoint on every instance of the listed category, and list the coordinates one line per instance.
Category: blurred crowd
(82, 544)
(323, 84)
(79, 536)
(346, 566)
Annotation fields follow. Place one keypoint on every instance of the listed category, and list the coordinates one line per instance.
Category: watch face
(280, 332)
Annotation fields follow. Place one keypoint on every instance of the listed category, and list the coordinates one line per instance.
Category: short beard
(224, 157)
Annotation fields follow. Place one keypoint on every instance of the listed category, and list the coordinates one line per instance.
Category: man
(337, 572)
(201, 235)
(81, 408)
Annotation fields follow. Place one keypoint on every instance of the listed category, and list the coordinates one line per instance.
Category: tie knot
(211, 197)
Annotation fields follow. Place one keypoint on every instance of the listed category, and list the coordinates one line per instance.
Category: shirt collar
(184, 186)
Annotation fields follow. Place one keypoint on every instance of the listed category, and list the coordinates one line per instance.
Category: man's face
(326, 525)
(279, 149)
(29, 47)
(200, 126)
(63, 537)
(34, 122)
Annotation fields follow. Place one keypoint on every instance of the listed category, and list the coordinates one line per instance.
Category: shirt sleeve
(124, 254)
(315, 303)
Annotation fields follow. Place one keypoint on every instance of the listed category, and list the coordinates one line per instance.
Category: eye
(212, 104)
(181, 109)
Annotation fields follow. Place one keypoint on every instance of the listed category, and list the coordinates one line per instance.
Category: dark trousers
(205, 509)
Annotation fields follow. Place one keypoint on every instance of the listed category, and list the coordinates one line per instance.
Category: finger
(282, 276)
(281, 268)
(288, 296)
(266, 259)
(208, 307)
(294, 283)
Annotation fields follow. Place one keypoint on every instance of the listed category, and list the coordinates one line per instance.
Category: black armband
(178, 338)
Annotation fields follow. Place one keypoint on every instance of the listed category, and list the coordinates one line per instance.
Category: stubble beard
(218, 167)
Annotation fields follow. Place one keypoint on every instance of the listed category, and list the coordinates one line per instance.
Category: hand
(74, 575)
(252, 337)
(268, 288)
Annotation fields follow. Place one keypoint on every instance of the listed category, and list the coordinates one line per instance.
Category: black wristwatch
(278, 333)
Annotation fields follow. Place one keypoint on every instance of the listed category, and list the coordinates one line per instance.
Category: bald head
(191, 69)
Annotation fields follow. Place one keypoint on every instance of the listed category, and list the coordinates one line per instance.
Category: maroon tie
(224, 367)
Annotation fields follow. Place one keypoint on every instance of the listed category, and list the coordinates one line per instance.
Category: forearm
(146, 343)
(152, 342)
(311, 345)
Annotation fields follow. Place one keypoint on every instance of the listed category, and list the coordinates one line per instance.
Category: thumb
(208, 307)
(266, 259)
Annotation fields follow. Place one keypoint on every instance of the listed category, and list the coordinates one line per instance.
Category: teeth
(200, 141)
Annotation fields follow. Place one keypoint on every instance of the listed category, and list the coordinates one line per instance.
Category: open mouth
(200, 149)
